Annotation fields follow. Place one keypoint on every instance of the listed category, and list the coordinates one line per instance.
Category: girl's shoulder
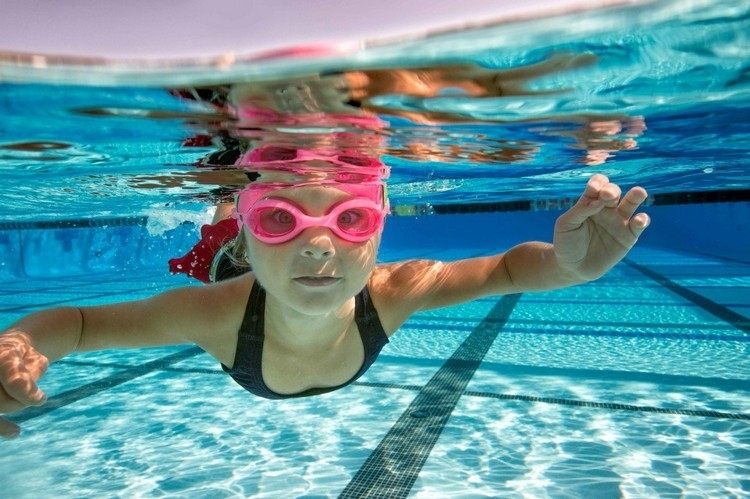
(395, 290)
(396, 278)
(234, 288)
(228, 299)
(218, 310)
(216, 299)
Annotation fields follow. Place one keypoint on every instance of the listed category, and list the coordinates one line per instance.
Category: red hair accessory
(198, 261)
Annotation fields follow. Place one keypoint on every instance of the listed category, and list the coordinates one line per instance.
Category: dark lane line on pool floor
(89, 389)
(640, 327)
(614, 406)
(42, 284)
(540, 330)
(573, 375)
(514, 370)
(703, 413)
(737, 320)
(163, 364)
(392, 468)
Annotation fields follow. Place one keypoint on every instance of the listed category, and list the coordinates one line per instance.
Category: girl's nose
(317, 243)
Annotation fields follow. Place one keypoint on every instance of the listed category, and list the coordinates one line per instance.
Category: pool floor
(636, 385)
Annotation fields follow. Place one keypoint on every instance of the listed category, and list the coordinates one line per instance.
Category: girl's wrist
(569, 273)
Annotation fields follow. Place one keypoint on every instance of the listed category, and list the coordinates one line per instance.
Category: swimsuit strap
(248, 354)
(370, 328)
(252, 323)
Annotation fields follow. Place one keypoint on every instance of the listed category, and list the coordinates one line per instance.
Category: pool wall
(717, 229)
(29, 250)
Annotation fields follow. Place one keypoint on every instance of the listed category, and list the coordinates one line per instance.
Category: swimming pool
(636, 385)
(630, 386)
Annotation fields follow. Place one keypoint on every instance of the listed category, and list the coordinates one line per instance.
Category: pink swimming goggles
(278, 220)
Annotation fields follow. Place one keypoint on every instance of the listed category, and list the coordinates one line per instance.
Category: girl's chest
(292, 372)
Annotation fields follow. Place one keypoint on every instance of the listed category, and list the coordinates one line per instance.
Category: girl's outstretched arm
(204, 315)
(589, 239)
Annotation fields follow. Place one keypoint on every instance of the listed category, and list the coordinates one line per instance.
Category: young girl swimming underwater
(316, 309)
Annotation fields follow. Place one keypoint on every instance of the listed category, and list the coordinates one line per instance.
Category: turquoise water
(618, 388)
(636, 385)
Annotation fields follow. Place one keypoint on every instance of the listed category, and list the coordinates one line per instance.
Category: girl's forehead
(310, 194)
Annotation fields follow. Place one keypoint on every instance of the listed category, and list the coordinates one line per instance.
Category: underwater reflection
(332, 128)
(335, 113)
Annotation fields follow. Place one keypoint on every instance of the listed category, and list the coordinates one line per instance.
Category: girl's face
(316, 272)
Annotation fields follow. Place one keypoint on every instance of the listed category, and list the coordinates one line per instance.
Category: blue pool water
(635, 385)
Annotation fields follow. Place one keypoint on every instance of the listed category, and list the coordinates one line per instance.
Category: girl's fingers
(19, 384)
(600, 193)
(594, 186)
(610, 195)
(37, 365)
(639, 223)
(590, 203)
(600, 189)
(20, 367)
(631, 201)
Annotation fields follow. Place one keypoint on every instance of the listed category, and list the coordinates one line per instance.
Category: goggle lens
(278, 221)
(357, 221)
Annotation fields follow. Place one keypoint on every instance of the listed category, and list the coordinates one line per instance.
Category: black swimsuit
(247, 370)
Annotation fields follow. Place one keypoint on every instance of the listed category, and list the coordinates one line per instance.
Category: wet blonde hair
(237, 251)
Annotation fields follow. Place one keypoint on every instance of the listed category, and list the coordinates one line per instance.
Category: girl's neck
(292, 329)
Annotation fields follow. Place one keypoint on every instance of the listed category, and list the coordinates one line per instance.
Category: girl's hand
(599, 230)
(20, 368)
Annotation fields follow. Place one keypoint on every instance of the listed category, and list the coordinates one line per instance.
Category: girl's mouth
(317, 280)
